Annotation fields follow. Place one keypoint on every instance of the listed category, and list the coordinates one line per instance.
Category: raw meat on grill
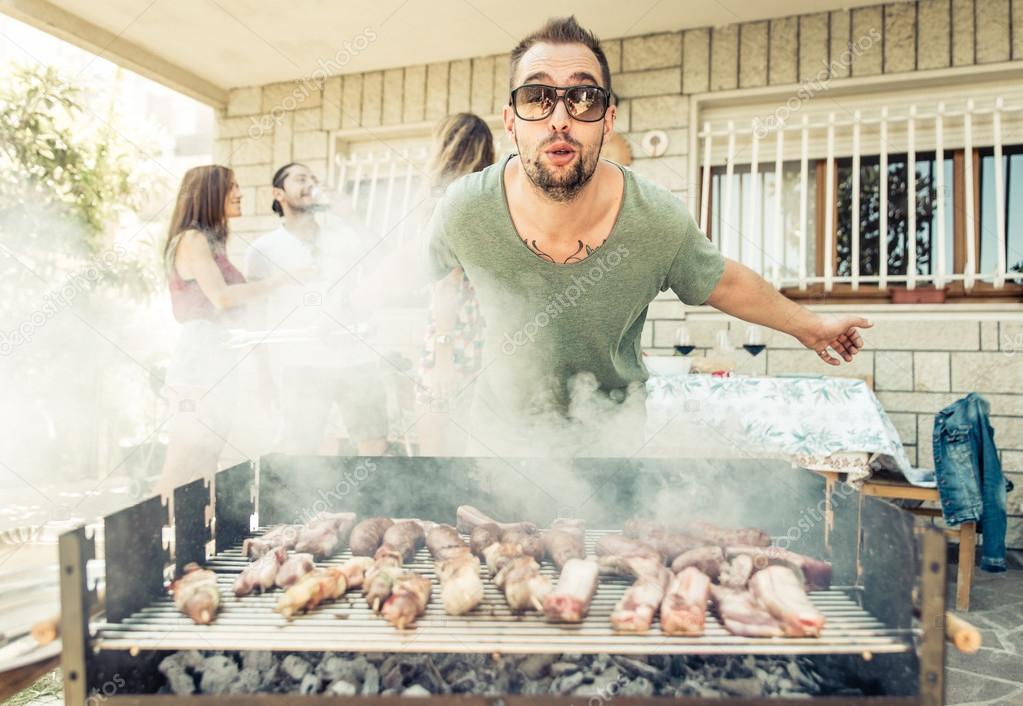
(324, 535)
(742, 615)
(408, 599)
(469, 517)
(726, 537)
(517, 575)
(278, 536)
(524, 587)
(570, 600)
(261, 574)
(816, 573)
(297, 566)
(444, 540)
(368, 534)
(482, 536)
(196, 594)
(564, 545)
(684, 608)
(621, 547)
(736, 572)
(404, 537)
(458, 570)
(668, 542)
(355, 570)
(380, 577)
(637, 607)
(781, 591)
(531, 543)
(710, 560)
(311, 590)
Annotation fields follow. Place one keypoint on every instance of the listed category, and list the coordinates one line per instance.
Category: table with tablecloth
(821, 423)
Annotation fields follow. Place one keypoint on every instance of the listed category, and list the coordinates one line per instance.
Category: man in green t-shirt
(566, 251)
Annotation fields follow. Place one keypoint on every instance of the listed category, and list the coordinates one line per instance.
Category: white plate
(667, 365)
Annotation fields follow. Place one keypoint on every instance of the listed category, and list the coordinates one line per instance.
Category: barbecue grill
(880, 562)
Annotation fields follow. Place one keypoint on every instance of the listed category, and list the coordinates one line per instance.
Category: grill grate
(348, 625)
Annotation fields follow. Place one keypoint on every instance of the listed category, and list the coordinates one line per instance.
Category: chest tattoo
(581, 253)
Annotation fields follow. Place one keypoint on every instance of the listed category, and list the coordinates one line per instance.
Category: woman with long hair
(208, 295)
(453, 345)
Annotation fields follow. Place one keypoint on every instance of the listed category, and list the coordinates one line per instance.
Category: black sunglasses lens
(587, 103)
(534, 102)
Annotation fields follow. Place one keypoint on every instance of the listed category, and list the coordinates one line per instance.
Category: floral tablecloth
(822, 423)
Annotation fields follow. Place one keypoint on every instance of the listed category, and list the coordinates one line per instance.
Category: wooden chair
(897, 488)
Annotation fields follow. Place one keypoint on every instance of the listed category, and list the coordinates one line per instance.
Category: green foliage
(67, 177)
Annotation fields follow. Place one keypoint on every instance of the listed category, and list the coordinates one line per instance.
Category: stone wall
(919, 360)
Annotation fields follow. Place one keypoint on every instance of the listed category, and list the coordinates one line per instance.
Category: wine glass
(754, 341)
(683, 341)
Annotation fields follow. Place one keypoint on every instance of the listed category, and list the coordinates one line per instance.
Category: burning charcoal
(180, 682)
(342, 688)
(640, 686)
(248, 681)
(189, 659)
(416, 690)
(607, 677)
(561, 668)
(257, 660)
(217, 675)
(393, 679)
(565, 684)
(600, 663)
(744, 687)
(536, 687)
(536, 666)
(638, 668)
(295, 667)
(338, 669)
(371, 681)
(501, 684)
(464, 684)
(310, 684)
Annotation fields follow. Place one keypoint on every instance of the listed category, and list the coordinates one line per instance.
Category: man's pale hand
(839, 333)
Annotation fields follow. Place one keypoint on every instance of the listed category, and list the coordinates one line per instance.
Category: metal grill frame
(93, 654)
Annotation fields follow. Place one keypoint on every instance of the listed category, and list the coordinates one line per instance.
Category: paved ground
(993, 676)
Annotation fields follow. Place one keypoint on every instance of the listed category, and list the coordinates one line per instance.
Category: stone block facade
(918, 360)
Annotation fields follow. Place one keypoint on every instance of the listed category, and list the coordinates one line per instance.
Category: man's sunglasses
(536, 101)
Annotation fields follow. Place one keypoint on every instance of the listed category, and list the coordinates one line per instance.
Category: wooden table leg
(967, 558)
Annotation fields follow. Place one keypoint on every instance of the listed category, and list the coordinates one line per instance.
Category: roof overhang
(203, 48)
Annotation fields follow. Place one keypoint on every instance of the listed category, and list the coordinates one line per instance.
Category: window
(752, 233)
(1012, 182)
(954, 223)
(869, 251)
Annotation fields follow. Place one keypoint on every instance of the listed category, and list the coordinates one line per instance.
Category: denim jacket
(969, 474)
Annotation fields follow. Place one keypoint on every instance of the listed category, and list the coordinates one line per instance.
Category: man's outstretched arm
(744, 294)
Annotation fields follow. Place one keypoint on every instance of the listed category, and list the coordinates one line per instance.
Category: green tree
(66, 178)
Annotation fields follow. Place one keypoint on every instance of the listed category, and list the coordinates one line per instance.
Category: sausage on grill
(368, 534)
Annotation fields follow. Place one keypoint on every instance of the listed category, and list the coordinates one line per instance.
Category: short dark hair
(561, 30)
(278, 183)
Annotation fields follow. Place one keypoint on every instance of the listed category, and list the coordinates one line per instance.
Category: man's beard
(297, 206)
(566, 188)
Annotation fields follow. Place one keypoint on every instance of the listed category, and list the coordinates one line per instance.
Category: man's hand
(839, 333)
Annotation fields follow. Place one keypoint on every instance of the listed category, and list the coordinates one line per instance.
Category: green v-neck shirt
(557, 330)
